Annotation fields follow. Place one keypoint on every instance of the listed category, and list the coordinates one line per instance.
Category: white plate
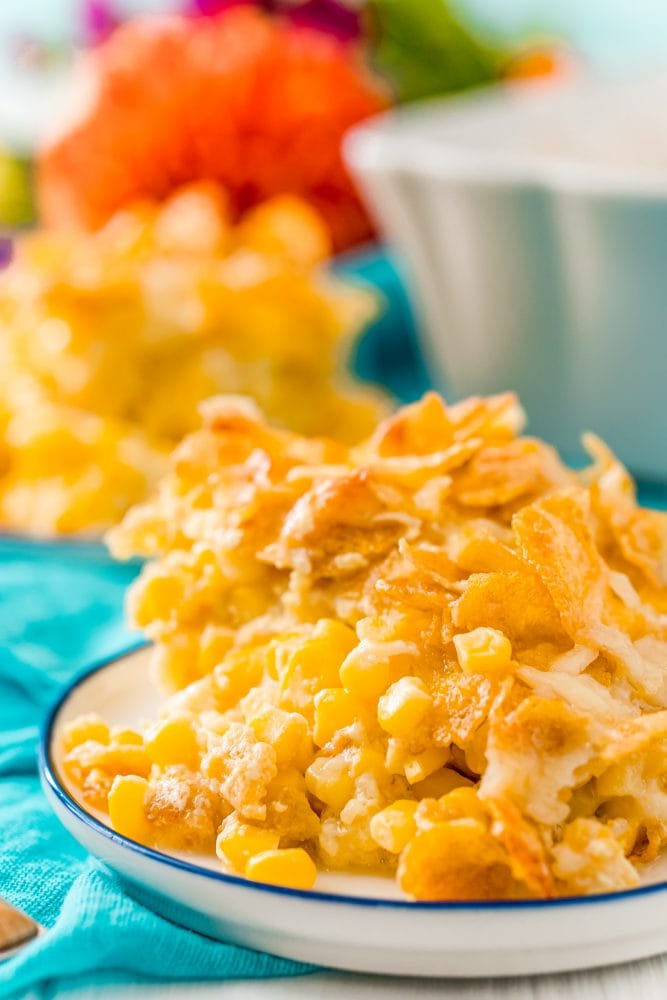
(350, 922)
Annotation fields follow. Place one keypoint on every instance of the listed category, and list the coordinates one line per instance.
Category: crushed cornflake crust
(440, 654)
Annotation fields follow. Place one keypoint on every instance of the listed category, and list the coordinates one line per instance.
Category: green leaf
(423, 49)
(16, 204)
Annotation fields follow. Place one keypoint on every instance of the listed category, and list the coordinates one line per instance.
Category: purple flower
(99, 20)
(335, 17)
(208, 8)
(6, 250)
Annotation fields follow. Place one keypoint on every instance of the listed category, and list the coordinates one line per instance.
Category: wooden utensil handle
(15, 927)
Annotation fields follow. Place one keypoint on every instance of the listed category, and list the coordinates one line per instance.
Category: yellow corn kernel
(124, 759)
(215, 643)
(127, 812)
(460, 803)
(321, 655)
(394, 826)
(419, 766)
(311, 663)
(334, 709)
(237, 842)
(395, 756)
(464, 803)
(173, 741)
(329, 779)
(403, 706)
(84, 729)
(365, 672)
(154, 598)
(483, 651)
(122, 736)
(286, 732)
(287, 227)
(290, 867)
(440, 783)
(369, 759)
(174, 663)
(247, 601)
(240, 670)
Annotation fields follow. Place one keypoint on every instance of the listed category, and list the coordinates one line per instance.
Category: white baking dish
(535, 224)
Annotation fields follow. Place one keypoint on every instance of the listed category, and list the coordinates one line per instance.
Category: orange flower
(538, 63)
(250, 102)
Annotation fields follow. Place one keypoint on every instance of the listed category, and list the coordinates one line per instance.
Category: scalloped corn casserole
(440, 654)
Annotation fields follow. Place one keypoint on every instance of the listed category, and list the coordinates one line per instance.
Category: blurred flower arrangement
(253, 103)
(259, 97)
(331, 62)
(186, 217)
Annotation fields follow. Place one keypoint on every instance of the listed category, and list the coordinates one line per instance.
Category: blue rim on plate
(50, 778)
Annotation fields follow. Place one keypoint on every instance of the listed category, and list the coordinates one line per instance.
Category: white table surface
(637, 981)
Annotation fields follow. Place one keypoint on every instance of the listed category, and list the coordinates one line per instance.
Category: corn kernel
(124, 759)
(84, 729)
(483, 651)
(395, 756)
(440, 783)
(364, 673)
(329, 779)
(291, 867)
(156, 592)
(240, 670)
(312, 663)
(321, 655)
(394, 826)
(369, 760)
(419, 766)
(237, 842)
(465, 802)
(246, 601)
(460, 803)
(286, 732)
(173, 741)
(215, 643)
(334, 709)
(127, 813)
(287, 227)
(403, 706)
(122, 736)
(174, 663)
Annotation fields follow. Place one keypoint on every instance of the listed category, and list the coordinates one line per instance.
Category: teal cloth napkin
(61, 610)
